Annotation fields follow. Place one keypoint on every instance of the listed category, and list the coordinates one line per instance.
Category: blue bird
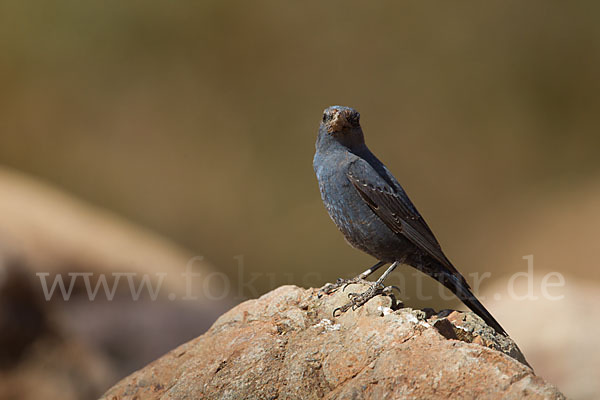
(371, 209)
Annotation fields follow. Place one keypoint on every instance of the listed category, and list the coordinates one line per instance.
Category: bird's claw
(333, 287)
(357, 300)
(389, 290)
(348, 283)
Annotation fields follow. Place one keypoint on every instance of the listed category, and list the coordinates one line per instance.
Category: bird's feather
(387, 200)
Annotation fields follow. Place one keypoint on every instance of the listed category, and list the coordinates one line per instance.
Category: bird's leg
(371, 270)
(375, 289)
(332, 287)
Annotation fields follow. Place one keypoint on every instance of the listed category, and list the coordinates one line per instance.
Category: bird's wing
(394, 208)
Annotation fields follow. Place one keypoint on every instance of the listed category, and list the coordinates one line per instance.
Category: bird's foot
(359, 299)
(340, 283)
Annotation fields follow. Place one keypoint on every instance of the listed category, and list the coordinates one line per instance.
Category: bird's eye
(324, 117)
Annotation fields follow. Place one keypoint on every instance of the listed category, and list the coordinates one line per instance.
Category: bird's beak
(337, 123)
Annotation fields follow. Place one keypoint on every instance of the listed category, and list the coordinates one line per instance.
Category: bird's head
(339, 119)
(343, 125)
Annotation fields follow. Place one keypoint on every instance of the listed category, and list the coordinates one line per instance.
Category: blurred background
(137, 135)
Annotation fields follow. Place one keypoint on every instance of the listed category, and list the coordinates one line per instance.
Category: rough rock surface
(287, 345)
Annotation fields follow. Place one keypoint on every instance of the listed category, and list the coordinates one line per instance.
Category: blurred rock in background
(560, 336)
(197, 121)
(76, 348)
(557, 327)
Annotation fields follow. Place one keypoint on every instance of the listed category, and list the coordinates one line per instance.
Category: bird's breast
(361, 227)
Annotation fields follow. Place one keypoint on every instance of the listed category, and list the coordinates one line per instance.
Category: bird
(375, 215)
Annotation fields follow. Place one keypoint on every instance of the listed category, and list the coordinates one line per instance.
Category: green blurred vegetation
(198, 119)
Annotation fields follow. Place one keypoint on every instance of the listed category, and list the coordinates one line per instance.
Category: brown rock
(286, 345)
(76, 348)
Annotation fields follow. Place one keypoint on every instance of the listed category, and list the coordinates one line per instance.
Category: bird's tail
(459, 286)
